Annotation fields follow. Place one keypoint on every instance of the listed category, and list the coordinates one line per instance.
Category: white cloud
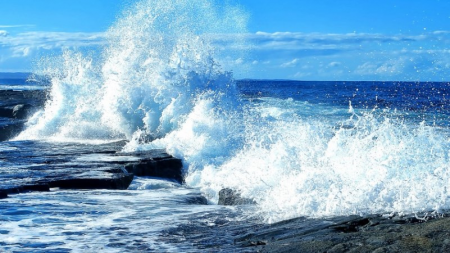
(15, 26)
(336, 38)
(320, 43)
(330, 56)
(390, 68)
(406, 67)
(18, 51)
(368, 68)
(238, 61)
(302, 74)
(441, 32)
(334, 64)
(24, 44)
(290, 63)
(54, 39)
(355, 56)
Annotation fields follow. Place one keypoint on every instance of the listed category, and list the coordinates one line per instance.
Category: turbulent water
(297, 148)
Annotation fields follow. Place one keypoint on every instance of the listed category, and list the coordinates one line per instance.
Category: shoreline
(103, 168)
(371, 233)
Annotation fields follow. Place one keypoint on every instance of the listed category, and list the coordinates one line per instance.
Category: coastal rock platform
(39, 166)
(373, 233)
(424, 232)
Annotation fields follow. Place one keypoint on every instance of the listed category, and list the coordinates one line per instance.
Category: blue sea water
(20, 82)
(297, 148)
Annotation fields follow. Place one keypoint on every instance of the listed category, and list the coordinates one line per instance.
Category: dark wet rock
(211, 231)
(352, 225)
(3, 194)
(27, 188)
(10, 128)
(11, 98)
(165, 167)
(89, 178)
(15, 106)
(115, 182)
(230, 197)
(195, 199)
(6, 112)
(22, 111)
(79, 166)
(19, 111)
(37, 187)
(374, 233)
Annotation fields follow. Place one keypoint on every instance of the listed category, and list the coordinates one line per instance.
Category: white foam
(22, 87)
(294, 166)
(101, 221)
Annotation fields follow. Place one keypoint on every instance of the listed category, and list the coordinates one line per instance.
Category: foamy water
(139, 220)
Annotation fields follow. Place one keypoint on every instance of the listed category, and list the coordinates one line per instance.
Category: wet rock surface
(230, 197)
(11, 98)
(15, 107)
(375, 233)
(10, 128)
(39, 166)
(159, 164)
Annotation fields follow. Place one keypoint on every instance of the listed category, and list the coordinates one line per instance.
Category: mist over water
(159, 84)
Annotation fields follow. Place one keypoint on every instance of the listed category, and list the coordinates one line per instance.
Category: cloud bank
(18, 51)
(351, 56)
(285, 55)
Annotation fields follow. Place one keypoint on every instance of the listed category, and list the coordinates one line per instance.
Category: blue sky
(291, 39)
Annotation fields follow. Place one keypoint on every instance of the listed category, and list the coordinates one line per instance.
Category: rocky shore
(39, 166)
(421, 232)
(373, 233)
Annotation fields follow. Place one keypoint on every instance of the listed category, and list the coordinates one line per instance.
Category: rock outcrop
(39, 166)
(16, 107)
(230, 197)
(163, 165)
(373, 233)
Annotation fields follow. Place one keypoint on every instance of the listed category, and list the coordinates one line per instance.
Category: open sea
(297, 148)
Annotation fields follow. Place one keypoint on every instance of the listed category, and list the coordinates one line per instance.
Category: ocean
(310, 149)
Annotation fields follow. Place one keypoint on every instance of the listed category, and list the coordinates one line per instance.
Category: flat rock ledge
(374, 233)
(80, 167)
(162, 165)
